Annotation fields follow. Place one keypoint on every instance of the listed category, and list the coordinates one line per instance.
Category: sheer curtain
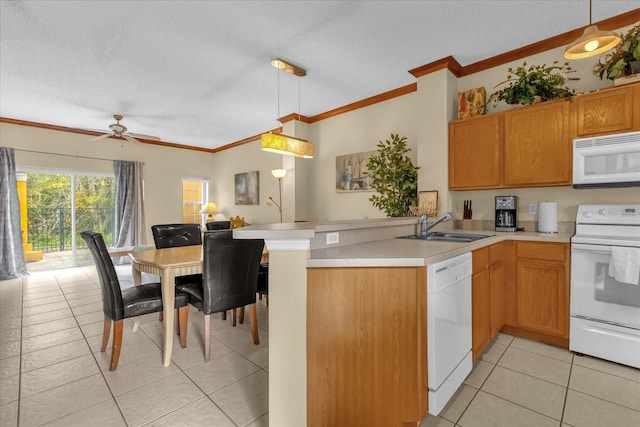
(130, 223)
(12, 263)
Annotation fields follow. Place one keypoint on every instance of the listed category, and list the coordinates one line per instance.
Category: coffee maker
(506, 213)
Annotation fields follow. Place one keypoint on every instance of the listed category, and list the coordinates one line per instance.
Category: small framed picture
(428, 203)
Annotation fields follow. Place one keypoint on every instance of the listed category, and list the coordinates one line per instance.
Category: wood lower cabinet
(537, 299)
(537, 145)
(487, 304)
(475, 153)
(366, 346)
(606, 111)
(480, 302)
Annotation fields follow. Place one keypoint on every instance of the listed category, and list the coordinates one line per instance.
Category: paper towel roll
(547, 217)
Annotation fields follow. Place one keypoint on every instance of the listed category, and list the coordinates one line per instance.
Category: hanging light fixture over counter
(592, 42)
(289, 145)
(281, 143)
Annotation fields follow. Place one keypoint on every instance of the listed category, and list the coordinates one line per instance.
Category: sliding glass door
(60, 206)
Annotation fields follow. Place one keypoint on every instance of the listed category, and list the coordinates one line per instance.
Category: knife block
(466, 224)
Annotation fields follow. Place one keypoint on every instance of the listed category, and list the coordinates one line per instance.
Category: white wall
(354, 132)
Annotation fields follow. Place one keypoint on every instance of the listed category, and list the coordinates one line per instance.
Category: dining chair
(176, 235)
(218, 225)
(229, 279)
(119, 304)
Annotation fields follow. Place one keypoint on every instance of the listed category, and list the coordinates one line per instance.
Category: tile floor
(518, 382)
(52, 372)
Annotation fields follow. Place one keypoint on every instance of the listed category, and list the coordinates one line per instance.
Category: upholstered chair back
(218, 225)
(172, 235)
(229, 271)
(113, 306)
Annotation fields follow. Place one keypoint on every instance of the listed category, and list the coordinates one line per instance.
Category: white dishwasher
(448, 328)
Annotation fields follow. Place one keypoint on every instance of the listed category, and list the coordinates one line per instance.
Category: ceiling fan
(120, 131)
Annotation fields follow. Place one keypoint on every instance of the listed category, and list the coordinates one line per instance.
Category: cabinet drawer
(496, 253)
(480, 260)
(542, 251)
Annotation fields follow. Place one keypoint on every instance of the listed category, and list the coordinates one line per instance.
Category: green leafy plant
(394, 177)
(618, 62)
(527, 85)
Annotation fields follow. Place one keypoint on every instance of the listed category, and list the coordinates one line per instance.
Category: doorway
(59, 206)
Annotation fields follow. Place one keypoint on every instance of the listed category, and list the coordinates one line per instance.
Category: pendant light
(592, 42)
(281, 143)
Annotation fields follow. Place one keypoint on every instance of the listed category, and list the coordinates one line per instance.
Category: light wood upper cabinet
(537, 145)
(475, 147)
(608, 111)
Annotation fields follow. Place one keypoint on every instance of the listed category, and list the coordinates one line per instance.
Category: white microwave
(607, 161)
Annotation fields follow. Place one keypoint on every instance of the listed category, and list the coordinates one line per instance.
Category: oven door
(596, 295)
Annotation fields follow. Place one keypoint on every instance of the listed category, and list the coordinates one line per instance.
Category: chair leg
(223, 315)
(241, 315)
(267, 299)
(233, 317)
(106, 330)
(161, 316)
(183, 318)
(207, 336)
(253, 318)
(117, 344)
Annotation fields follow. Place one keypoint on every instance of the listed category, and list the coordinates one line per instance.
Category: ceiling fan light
(592, 42)
(288, 145)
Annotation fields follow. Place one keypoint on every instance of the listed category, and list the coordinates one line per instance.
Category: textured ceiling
(197, 72)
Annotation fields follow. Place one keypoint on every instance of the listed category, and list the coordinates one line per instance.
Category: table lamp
(210, 209)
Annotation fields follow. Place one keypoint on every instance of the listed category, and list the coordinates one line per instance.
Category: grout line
(566, 390)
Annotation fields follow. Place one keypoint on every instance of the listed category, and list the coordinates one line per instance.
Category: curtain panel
(12, 262)
(130, 223)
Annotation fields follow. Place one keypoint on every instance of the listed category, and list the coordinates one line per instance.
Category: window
(194, 194)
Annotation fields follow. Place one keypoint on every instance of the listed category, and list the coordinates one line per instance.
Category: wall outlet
(333, 238)
(533, 207)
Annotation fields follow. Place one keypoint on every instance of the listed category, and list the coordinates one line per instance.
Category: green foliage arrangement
(394, 177)
(534, 83)
(617, 63)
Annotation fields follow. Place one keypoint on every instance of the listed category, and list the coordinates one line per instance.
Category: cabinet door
(475, 152)
(607, 111)
(366, 346)
(480, 312)
(496, 295)
(542, 297)
(537, 145)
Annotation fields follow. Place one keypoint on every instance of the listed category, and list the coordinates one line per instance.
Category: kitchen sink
(439, 236)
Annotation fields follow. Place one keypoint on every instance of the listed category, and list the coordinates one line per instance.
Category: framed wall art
(352, 173)
(247, 188)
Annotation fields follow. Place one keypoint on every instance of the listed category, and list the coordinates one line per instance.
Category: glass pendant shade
(289, 145)
(592, 42)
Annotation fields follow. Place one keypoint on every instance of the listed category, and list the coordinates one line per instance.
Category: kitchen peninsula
(358, 352)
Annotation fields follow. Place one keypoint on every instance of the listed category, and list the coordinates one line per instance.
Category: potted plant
(393, 175)
(535, 83)
(624, 60)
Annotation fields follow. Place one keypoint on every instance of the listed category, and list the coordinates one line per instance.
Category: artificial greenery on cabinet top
(394, 177)
(617, 63)
(535, 83)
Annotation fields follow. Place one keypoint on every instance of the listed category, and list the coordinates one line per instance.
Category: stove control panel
(609, 214)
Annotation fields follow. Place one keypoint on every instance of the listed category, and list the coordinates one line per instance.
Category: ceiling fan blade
(143, 136)
(105, 135)
(131, 139)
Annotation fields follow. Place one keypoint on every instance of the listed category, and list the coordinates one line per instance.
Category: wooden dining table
(168, 263)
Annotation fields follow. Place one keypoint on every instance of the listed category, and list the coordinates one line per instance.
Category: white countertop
(386, 252)
(406, 252)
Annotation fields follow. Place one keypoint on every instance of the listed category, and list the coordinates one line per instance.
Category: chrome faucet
(425, 226)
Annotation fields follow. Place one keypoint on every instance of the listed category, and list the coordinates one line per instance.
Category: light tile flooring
(52, 372)
(518, 382)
